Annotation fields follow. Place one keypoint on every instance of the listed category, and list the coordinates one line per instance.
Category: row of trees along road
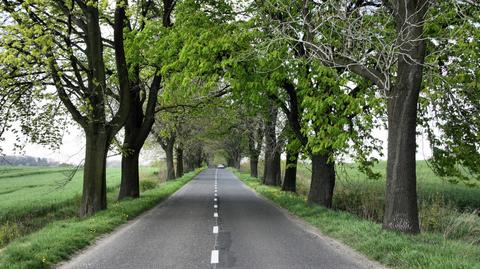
(100, 63)
(309, 78)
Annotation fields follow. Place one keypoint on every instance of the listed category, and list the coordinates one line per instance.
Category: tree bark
(401, 211)
(290, 179)
(272, 174)
(169, 155)
(130, 185)
(255, 139)
(94, 196)
(137, 129)
(179, 151)
(254, 166)
(236, 159)
(323, 180)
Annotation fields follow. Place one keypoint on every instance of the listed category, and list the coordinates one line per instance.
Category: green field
(446, 208)
(31, 197)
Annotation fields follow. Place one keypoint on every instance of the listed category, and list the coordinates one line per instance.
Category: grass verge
(60, 239)
(396, 250)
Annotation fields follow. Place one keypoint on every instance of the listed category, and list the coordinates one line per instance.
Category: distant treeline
(26, 161)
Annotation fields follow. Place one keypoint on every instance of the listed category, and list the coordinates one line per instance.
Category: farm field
(450, 209)
(31, 197)
(430, 186)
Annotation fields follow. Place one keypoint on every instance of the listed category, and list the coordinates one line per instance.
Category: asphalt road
(246, 232)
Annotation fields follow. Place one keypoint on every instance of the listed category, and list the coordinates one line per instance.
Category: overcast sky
(73, 148)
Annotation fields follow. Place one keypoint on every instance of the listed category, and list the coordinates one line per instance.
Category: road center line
(214, 258)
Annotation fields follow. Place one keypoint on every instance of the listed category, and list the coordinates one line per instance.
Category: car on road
(220, 166)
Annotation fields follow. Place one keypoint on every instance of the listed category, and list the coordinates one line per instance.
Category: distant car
(220, 166)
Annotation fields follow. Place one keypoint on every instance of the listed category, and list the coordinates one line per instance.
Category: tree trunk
(290, 179)
(323, 180)
(401, 211)
(277, 168)
(130, 185)
(179, 151)
(254, 166)
(230, 162)
(237, 158)
(94, 178)
(271, 173)
(170, 165)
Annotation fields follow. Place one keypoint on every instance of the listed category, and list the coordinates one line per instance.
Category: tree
(293, 149)
(70, 51)
(179, 154)
(165, 134)
(272, 172)
(322, 111)
(450, 107)
(255, 134)
(140, 120)
(354, 29)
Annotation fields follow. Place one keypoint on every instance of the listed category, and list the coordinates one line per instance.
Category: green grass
(31, 197)
(430, 186)
(60, 239)
(427, 250)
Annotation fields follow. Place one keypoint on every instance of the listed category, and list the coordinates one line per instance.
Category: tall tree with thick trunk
(322, 181)
(255, 132)
(179, 154)
(167, 142)
(272, 172)
(72, 59)
(290, 179)
(401, 80)
(137, 129)
(401, 211)
(140, 120)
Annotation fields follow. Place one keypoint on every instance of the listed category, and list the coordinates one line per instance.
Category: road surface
(215, 221)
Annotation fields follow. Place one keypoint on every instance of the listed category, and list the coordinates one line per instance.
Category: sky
(73, 148)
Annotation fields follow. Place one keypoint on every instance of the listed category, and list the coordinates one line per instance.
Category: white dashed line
(214, 258)
(215, 252)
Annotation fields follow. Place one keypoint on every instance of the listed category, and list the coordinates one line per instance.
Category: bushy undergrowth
(436, 213)
(148, 184)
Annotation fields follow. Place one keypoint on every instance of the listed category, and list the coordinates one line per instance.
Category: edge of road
(307, 227)
(105, 238)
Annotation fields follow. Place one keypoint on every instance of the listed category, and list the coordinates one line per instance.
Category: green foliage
(451, 103)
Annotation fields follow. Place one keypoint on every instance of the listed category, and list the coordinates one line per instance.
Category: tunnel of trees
(258, 82)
